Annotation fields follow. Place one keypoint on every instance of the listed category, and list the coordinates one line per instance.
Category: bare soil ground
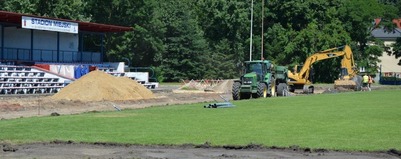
(62, 150)
(28, 106)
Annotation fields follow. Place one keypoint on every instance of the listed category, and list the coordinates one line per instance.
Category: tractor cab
(259, 67)
(254, 67)
(257, 80)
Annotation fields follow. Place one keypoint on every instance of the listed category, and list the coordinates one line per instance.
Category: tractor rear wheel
(236, 91)
(272, 88)
(262, 90)
(282, 89)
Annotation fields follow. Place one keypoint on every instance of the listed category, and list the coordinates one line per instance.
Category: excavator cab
(344, 74)
(297, 68)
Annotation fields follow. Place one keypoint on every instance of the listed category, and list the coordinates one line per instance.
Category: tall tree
(67, 9)
(183, 41)
(141, 46)
(116, 12)
(19, 6)
(298, 29)
(226, 28)
(358, 16)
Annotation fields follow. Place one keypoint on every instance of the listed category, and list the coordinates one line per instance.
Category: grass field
(344, 121)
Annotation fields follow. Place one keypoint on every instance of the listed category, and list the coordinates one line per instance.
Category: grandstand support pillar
(31, 52)
(58, 46)
(101, 47)
(81, 46)
(2, 42)
(80, 36)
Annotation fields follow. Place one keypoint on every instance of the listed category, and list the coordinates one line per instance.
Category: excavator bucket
(350, 84)
(344, 84)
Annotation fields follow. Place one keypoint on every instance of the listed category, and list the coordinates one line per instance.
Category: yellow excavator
(299, 78)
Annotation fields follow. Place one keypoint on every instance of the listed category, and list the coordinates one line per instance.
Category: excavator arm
(347, 64)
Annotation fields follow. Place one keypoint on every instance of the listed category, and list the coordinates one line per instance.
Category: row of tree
(198, 39)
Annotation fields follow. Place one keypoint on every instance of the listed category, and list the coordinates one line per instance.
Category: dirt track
(16, 107)
(62, 150)
(28, 106)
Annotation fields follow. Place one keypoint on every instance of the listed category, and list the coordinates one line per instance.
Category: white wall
(69, 42)
(389, 63)
(17, 38)
(44, 45)
(44, 40)
(69, 46)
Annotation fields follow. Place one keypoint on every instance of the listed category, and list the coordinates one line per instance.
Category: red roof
(15, 18)
(395, 21)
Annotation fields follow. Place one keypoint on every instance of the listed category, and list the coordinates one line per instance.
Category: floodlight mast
(263, 11)
(250, 43)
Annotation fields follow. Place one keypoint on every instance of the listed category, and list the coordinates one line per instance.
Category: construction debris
(213, 86)
(225, 104)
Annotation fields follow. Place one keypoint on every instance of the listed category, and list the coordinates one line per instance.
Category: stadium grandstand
(42, 55)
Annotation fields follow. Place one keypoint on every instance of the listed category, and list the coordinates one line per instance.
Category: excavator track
(344, 84)
(351, 84)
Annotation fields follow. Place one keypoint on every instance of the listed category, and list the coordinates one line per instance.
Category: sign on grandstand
(49, 25)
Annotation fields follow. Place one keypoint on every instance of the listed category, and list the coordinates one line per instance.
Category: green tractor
(260, 79)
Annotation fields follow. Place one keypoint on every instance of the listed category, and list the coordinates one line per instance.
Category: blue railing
(16, 54)
(42, 55)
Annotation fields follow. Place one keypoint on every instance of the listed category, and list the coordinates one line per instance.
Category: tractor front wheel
(262, 90)
(236, 91)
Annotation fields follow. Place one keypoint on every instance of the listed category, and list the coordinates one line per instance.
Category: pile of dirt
(5, 106)
(100, 86)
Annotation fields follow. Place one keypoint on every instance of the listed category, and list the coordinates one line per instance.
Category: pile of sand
(100, 86)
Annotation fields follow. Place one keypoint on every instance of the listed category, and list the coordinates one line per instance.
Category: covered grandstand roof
(15, 18)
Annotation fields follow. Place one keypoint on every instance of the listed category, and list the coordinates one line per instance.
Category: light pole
(263, 11)
(250, 43)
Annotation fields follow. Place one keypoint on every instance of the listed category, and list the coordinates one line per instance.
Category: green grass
(346, 121)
